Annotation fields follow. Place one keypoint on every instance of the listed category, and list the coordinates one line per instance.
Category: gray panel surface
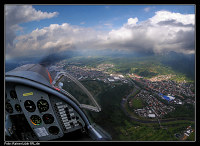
(40, 130)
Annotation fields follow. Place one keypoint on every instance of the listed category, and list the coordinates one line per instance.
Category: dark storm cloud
(174, 23)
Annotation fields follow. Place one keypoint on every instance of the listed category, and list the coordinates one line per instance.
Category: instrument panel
(48, 116)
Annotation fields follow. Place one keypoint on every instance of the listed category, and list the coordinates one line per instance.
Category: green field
(153, 132)
(137, 103)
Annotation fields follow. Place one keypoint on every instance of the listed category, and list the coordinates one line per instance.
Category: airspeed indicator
(29, 105)
(36, 120)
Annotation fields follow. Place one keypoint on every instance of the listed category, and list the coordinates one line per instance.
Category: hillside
(147, 67)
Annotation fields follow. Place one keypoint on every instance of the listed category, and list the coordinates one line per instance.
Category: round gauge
(9, 108)
(36, 120)
(18, 107)
(29, 105)
(48, 118)
(42, 105)
(54, 130)
(13, 94)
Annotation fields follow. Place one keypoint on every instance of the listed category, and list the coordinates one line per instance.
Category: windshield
(76, 90)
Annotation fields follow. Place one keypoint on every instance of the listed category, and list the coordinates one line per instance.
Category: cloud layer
(18, 14)
(164, 32)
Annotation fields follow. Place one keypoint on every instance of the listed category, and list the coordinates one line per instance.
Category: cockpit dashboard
(44, 116)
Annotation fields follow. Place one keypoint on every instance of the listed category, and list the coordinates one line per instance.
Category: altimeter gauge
(42, 105)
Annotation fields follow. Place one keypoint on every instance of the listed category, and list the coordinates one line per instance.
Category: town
(80, 73)
(168, 89)
(154, 108)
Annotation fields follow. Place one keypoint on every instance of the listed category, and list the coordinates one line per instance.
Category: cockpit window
(75, 90)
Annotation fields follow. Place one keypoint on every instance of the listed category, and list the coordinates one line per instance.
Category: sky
(35, 30)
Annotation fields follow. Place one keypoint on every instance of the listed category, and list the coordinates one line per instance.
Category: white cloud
(166, 15)
(18, 14)
(166, 31)
(172, 32)
(132, 21)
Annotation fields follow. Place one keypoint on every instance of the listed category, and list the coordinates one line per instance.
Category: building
(168, 98)
(171, 97)
(151, 115)
(121, 76)
(116, 78)
(111, 80)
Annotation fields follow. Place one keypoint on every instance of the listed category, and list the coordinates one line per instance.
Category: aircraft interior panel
(44, 116)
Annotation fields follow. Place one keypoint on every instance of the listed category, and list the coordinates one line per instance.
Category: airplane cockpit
(39, 108)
